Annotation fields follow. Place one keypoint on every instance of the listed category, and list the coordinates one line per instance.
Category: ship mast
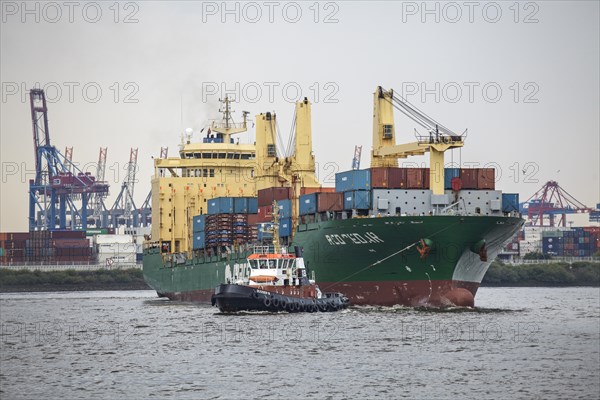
(226, 127)
(275, 227)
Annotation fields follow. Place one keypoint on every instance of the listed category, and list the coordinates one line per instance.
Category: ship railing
(230, 125)
(64, 266)
(269, 249)
(440, 139)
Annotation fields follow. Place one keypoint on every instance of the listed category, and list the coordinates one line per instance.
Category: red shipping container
(75, 243)
(68, 234)
(388, 177)
(253, 219)
(14, 236)
(469, 178)
(417, 178)
(380, 177)
(265, 213)
(267, 196)
(330, 202)
(486, 178)
(397, 178)
(20, 236)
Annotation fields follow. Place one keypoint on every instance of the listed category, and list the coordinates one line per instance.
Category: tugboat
(275, 280)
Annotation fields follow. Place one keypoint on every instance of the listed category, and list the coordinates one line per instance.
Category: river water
(538, 343)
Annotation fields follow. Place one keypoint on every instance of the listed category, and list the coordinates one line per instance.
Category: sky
(521, 78)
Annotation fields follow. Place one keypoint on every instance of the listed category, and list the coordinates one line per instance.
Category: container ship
(383, 236)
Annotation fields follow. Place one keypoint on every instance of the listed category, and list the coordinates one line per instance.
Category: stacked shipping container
(577, 242)
(45, 247)
(412, 178)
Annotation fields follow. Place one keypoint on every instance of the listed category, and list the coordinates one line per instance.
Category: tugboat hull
(234, 298)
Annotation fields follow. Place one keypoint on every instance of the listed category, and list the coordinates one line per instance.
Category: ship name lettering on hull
(353, 238)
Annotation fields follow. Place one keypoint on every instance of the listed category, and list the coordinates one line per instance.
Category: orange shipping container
(307, 190)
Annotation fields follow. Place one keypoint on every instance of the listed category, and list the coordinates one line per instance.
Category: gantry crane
(99, 208)
(551, 200)
(60, 189)
(123, 210)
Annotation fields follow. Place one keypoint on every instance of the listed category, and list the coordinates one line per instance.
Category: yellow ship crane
(296, 169)
(386, 152)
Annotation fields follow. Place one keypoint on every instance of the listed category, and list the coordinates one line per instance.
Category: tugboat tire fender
(267, 302)
(275, 302)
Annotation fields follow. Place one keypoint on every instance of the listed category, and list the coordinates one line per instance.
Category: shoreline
(558, 275)
(70, 288)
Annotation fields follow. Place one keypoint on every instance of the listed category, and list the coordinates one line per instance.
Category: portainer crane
(99, 208)
(552, 201)
(123, 210)
(60, 192)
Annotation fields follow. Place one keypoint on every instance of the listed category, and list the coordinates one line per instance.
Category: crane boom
(385, 150)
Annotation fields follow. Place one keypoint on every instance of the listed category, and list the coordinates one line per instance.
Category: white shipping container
(110, 239)
(125, 258)
(117, 248)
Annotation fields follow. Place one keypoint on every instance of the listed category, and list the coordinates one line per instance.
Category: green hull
(371, 260)
(376, 260)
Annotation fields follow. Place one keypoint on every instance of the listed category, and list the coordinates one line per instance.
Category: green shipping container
(92, 232)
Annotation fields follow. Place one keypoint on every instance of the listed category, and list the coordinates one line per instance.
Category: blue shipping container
(510, 202)
(357, 199)
(285, 227)
(362, 199)
(308, 204)
(220, 205)
(285, 208)
(353, 180)
(450, 173)
(199, 241)
(348, 200)
(240, 205)
(199, 223)
(252, 205)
